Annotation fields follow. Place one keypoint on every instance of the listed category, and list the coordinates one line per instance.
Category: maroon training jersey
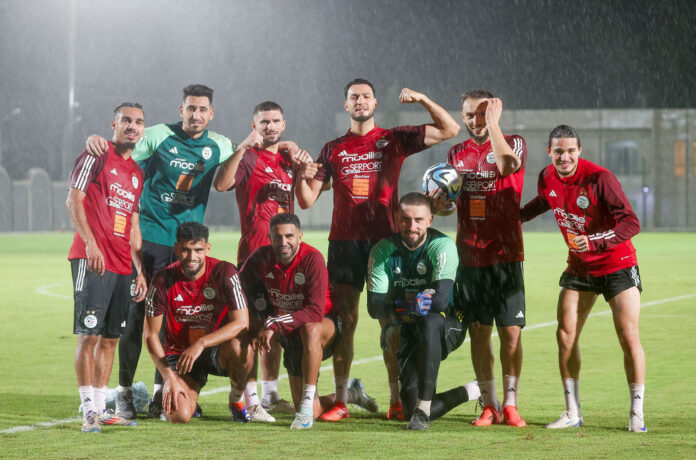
(365, 172)
(194, 308)
(298, 293)
(591, 202)
(489, 231)
(112, 187)
(264, 188)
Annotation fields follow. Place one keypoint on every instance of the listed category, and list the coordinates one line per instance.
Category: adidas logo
(114, 172)
(553, 193)
(268, 169)
(179, 298)
(637, 397)
(566, 392)
(511, 390)
(270, 275)
(460, 164)
(123, 324)
(520, 314)
(173, 150)
(343, 153)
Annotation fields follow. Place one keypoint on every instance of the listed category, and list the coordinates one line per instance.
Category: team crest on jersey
(381, 143)
(421, 268)
(299, 278)
(206, 153)
(583, 202)
(135, 181)
(260, 304)
(90, 321)
(490, 158)
(209, 293)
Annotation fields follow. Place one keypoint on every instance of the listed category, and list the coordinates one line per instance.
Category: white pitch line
(44, 290)
(41, 290)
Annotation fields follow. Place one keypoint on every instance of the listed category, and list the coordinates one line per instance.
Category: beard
(413, 244)
(362, 118)
(477, 139)
(268, 142)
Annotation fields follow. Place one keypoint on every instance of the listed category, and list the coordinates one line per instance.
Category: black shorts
(101, 301)
(205, 365)
(347, 262)
(293, 349)
(607, 285)
(494, 292)
(155, 258)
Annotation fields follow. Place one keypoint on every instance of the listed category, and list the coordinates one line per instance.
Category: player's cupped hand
(300, 157)
(253, 141)
(582, 243)
(96, 145)
(309, 170)
(263, 341)
(140, 288)
(493, 111)
(95, 259)
(439, 200)
(189, 357)
(171, 390)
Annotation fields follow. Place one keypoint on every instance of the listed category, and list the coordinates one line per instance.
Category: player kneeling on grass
(206, 325)
(597, 223)
(288, 285)
(410, 278)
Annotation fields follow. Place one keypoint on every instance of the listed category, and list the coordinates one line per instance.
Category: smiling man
(206, 326)
(287, 283)
(490, 285)
(364, 166)
(410, 279)
(103, 204)
(597, 223)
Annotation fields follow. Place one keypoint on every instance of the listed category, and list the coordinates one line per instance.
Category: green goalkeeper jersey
(395, 270)
(179, 171)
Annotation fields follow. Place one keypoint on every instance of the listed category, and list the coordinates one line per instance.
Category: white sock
(100, 399)
(571, 399)
(269, 391)
(307, 406)
(251, 394)
(510, 383)
(487, 388)
(424, 406)
(120, 388)
(156, 387)
(472, 389)
(637, 396)
(394, 392)
(577, 396)
(235, 395)
(87, 398)
(341, 385)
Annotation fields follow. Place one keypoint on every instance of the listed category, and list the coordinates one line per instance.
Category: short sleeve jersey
(112, 187)
(365, 172)
(489, 231)
(179, 171)
(195, 308)
(591, 202)
(264, 188)
(395, 270)
(297, 293)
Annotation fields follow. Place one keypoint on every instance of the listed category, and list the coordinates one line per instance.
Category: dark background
(534, 54)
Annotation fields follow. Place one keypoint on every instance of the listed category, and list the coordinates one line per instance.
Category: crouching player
(410, 278)
(206, 327)
(292, 277)
(597, 223)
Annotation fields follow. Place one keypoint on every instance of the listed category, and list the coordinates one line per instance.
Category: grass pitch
(37, 379)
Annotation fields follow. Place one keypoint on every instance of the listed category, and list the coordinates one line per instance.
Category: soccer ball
(445, 177)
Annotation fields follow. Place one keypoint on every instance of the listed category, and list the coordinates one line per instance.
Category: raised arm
(507, 161)
(224, 179)
(444, 126)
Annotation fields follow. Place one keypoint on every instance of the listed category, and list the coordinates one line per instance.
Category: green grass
(37, 380)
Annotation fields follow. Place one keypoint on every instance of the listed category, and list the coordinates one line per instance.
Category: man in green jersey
(410, 279)
(179, 160)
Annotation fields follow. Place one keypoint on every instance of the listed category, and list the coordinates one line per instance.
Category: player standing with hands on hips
(365, 165)
(597, 223)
